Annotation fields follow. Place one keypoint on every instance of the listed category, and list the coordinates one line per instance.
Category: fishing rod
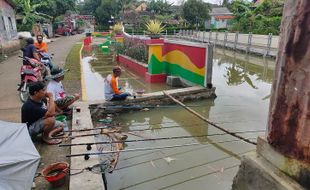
(139, 130)
(144, 106)
(87, 155)
(208, 121)
(89, 145)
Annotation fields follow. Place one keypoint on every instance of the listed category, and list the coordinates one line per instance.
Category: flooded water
(210, 162)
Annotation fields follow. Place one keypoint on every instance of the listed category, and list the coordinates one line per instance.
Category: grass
(73, 64)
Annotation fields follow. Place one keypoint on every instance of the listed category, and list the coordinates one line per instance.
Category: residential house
(8, 29)
(8, 32)
(142, 7)
(220, 18)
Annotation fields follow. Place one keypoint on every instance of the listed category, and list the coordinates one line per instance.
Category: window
(2, 24)
(10, 23)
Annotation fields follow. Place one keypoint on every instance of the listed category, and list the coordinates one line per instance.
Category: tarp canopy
(19, 158)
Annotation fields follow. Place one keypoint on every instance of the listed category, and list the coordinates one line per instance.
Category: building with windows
(220, 18)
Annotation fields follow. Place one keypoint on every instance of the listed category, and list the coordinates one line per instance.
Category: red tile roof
(222, 17)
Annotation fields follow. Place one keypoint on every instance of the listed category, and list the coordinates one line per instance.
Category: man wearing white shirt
(55, 87)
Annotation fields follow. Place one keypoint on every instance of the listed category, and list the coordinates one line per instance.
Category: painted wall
(7, 22)
(185, 60)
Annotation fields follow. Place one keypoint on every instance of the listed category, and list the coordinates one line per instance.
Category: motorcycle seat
(29, 72)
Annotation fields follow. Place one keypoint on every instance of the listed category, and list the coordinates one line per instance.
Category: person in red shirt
(40, 45)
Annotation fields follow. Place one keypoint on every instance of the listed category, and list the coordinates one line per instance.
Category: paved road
(9, 77)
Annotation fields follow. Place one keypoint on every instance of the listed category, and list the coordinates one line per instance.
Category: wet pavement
(243, 86)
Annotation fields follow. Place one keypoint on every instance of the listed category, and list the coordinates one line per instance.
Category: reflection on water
(242, 83)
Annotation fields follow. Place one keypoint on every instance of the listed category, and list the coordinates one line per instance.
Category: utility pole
(289, 112)
(282, 162)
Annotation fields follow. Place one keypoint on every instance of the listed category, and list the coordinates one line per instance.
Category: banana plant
(28, 10)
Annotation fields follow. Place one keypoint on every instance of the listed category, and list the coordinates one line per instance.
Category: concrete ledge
(85, 180)
(156, 78)
(153, 99)
(297, 170)
(255, 173)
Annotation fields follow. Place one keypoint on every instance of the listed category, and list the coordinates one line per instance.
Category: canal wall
(190, 61)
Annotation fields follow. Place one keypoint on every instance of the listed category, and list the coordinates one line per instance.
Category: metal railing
(266, 45)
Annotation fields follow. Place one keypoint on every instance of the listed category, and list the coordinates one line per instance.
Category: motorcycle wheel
(24, 93)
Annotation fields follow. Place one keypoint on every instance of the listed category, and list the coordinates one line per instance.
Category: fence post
(216, 37)
(210, 36)
(166, 33)
(268, 44)
(203, 36)
(249, 42)
(174, 32)
(236, 40)
(143, 32)
(225, 39)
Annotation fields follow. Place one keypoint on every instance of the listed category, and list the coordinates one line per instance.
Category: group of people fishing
(48, 98)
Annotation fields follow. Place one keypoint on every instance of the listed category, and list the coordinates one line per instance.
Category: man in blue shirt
(30, 50)
(40, 117)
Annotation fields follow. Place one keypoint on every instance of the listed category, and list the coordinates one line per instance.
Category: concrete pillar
(225, 39)
(249, 42)
(289, 113)
(236, 40)
(268, 44)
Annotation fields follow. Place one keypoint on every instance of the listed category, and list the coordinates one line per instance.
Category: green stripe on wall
(157, 67)
(177, 70)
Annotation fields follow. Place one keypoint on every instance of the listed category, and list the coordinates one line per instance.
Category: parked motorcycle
(30, 71)
(46, 59)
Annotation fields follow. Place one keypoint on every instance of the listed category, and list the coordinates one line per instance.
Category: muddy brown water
(243, 86)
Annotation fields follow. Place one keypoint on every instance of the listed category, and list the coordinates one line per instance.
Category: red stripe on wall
(132, 65)
(196, 54)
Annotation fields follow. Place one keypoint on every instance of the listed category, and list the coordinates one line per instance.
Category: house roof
(224, 17)
(220, 11)
(10, 2)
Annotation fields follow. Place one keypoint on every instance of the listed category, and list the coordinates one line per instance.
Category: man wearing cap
(39, 116)
(111, 90)
(56, 88)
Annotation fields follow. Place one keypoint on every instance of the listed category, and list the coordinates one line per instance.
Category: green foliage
(55, 8)
(28, 10)
(196, 11)
(133, 48)
(104, 12)
(161, 7)
(263, 19)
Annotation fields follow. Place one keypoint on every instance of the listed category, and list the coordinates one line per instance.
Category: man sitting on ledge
(111, 90)
(39, 116)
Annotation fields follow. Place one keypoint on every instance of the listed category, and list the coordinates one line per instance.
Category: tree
(55, 8)
(263, 19)
(159, 7)
(28, 10)
(196, 12)
(104, 12)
